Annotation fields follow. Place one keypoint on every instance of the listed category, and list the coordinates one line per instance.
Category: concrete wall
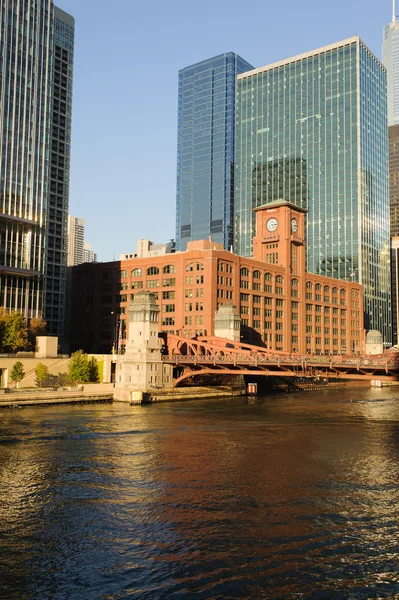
(56, 366)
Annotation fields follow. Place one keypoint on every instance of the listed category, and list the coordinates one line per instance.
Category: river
(282, 497)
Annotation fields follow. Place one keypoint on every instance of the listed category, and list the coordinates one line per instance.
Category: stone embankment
(37, 397)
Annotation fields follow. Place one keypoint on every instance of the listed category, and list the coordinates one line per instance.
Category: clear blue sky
(127, 57)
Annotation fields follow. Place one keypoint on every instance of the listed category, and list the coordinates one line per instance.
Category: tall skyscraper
(205, 150)
(312, 130)
(390, 58)
(76, 238)
(34, 100)
(59, 172)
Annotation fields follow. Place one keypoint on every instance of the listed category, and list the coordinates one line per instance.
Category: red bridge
(224, 358)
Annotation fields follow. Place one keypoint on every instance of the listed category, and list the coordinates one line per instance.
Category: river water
(289, 496)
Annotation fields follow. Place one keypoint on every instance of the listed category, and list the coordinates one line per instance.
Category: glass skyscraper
(313, 130)
(59, 171)
(205, 150)
(390, 58)
(34, 103)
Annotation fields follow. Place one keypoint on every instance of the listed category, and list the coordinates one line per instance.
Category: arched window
(309, 285)
(318, 287)
(137, 273)
(279, 279)
(268, 277)
(343, 292)
(189, 267)
(335, 290)
(244, 272)
(294, 282)
(152, 271)
(326, 289)
(169, 269)
(256, 275)
(199, 267)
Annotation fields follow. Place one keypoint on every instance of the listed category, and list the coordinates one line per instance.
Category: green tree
(41, 374)
(93, 369)
(14, 332)
(17, 373)
(79, 368)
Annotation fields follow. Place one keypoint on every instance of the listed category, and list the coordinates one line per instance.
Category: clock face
(272, 225)
(294, 225)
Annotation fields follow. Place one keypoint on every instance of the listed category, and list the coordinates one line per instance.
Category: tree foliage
(37, 326)
(41, 374)
(82, 369)
(13, 332)
(17, 372)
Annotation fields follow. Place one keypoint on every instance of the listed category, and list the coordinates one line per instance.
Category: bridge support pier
(140, 370)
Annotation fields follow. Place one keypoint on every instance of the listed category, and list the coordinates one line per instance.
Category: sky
(127, 58)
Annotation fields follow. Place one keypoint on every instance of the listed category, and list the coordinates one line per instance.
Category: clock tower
(280, 242)
(280, 235)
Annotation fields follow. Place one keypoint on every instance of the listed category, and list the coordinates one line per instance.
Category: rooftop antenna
(393, 12)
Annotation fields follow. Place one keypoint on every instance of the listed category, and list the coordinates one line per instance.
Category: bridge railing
(300, 360)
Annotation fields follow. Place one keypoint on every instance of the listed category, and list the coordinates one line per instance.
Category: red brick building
(281, 305)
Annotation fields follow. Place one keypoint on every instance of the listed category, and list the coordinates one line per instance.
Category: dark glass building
(59, 170)
(312, 130)
(35, 96)
(205, 150)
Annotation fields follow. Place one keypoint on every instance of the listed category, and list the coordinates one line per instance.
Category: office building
(59, 173)
(393, 140)
(205, 150)
(390, 58)
(89, 255)
(312, 129)
(75, 241)
(36, 55)
(280, 305)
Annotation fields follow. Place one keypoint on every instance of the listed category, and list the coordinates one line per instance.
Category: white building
(75, 241)
(89, 254)
(390, 58)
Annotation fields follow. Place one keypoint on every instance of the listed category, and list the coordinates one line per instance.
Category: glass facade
(27, 91)
(313, 130)
(390, 58)
(205, 150)
(59, 172)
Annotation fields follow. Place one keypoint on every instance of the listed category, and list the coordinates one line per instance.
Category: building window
(256, 274)
(169, 269)
(153, 283)
(137, 273)
(137, 285)
(122, 274)
(152, 271)
(199, 267)
(244, 272)
(168, 295)
(168, 308)
(107, 275)
(168, 321)
(169, 282)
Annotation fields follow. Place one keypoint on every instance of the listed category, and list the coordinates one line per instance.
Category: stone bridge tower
(141, 369)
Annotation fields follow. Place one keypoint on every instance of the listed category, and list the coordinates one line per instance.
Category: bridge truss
(213, 356)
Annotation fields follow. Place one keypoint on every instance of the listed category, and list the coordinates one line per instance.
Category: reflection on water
(293, 496)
